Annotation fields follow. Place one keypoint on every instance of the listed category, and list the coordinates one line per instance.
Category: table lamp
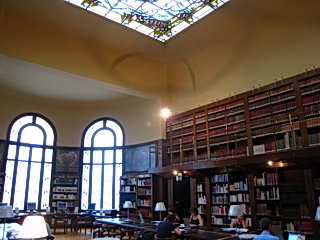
(235, 211)
(317, 216)
(160, 207)
(33, 226)
(128, 205)
(5, 212)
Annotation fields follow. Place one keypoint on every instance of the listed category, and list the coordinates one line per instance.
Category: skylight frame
(144, 15)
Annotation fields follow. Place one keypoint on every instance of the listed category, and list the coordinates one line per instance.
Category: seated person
(195, 217)
(172, 212)
(165, 228)
(266, 226)
(239, 222)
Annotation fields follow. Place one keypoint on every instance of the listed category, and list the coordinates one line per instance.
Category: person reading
(195, 217)
(171, 211)
(165, 228)
(266, 226)
(239, 222)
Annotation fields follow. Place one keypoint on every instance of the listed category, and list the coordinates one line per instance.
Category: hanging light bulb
(165, 112)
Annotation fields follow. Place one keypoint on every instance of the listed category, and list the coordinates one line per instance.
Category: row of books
(219, 210)
(127, 189)
(66, 181)
(69, 204)
(241, 185)
(272, 100)
(220, 220)
(241, 151)
(65, 189)
(144, 191)
(309, 81)
(128, 181)
(58, 196)
(240, 197)
(223, 199)
(270, 194)
(200, 187)
(310, 100)
(201, 199)
(313, 122)
(145, 212)
(220, 178)
(272, 109)
(144, 202)
(144, 182)
(299, 226)
(266, 180)
(310, 89)
(220, 188)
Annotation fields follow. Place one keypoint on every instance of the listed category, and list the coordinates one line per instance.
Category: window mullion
(102, 179)
(26, 195)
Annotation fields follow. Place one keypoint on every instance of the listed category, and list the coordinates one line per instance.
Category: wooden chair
(126, 233)
(60, 220)
(110, 230)
(84, 222)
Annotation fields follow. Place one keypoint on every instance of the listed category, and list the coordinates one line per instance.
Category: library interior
(160, 119)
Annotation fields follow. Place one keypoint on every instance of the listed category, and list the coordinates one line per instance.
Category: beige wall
(248, 43)
(139, 118)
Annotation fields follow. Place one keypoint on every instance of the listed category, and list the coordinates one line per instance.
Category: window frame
(114, 148)
(20, 144)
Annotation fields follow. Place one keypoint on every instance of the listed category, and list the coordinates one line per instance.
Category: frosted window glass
(116, 128)
(86, 156)
(96, 185)
(12, 151)
(90, 131)
(48, 129)
(33, 135)
(118, 156)
(36, 155)
(34, 182)
(85, 187)
(117, 185)
(97, 156)
(19, 194)
(46, 186)
(108, 156)
(107, 187)
(8, 182)
(23, 153)
(48, 155)
(17, 125)
(104, 138)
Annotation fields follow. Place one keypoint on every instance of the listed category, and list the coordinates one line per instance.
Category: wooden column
(252, 201)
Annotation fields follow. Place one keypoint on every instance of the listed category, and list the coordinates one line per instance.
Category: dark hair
(170, 218)
(265, 223)
(171, 210)
(194, 210)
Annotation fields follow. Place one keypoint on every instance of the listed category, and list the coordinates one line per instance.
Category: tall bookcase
(281, 116)
(144, 195)
(138, 190)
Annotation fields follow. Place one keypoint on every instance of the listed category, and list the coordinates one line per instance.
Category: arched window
(31, 139)
(102, 144)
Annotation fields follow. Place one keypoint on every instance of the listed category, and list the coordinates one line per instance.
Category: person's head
(171, 211)
(194, 211)
(241, 217)
(170, 218)
(266, 224)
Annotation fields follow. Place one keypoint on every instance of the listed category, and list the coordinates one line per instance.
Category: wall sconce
(277, 163)
(178, 175)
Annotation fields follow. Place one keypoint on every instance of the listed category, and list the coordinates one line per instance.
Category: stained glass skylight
(159, 19)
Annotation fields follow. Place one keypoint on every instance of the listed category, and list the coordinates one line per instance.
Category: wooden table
(195, 233)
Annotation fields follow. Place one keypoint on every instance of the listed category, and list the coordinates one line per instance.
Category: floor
(71, 236)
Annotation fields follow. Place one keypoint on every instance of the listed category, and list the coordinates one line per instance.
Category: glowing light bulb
(270, 163)
(165, 112)
(175, 172)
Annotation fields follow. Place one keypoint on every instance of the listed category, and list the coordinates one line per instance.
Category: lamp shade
(235, 210)
(317, 216)
(127, 204)
(160, 207)
(33, 227)
(6, 212)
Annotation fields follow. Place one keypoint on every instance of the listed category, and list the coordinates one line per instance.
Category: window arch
(102, 144)
(31, 138)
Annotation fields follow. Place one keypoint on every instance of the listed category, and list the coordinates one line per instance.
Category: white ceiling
(37, 80)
